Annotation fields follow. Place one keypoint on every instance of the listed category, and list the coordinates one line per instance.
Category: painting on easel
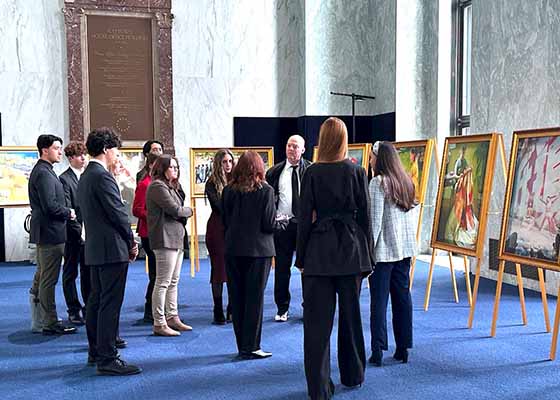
(415, 157)
(531, 218)
(463, 195)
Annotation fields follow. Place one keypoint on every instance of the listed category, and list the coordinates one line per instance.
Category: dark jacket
(108, 234)
(166, 216)
(249, 222)
(339, 242)
(70, 184)
(273, 176)
(49, 212)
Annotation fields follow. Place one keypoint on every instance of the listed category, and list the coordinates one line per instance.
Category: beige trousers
(164, 297)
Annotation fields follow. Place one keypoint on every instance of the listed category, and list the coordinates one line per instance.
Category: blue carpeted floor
(447, 361)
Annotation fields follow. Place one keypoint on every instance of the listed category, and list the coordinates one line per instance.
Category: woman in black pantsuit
(248, 214)
(334, 250)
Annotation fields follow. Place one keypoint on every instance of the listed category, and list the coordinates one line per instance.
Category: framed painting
(531, 218)
(415, 157)
(16, 163)
(131, 159)
(465, 184)
(201, 164)
(358, 153)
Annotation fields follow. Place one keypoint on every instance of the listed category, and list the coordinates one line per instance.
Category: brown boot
(164, 330)
(176, 323)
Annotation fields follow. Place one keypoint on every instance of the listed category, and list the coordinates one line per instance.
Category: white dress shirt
(285, 190)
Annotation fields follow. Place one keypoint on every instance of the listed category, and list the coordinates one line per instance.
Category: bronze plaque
(121, 75)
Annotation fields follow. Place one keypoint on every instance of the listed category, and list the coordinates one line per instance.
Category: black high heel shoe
(228, 314)
(401, 355)
(376, 358)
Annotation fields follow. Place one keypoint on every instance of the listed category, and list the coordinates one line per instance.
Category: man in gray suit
(48, 231)
(109, 248)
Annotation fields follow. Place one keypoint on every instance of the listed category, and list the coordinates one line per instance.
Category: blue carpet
(447, 359)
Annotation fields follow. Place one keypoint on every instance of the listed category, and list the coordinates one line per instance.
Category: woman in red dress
(222, 166)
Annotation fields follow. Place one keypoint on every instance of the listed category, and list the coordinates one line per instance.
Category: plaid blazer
(394, 230)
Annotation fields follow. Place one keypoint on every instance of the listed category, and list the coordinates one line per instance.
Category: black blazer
(339, 241)
(273, 176)
(249, 222)
(70, 184)
(48, 205)
(108, 234)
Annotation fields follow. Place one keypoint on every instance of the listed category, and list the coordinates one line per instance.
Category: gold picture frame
(201, 164)
(465, 191)
(16, 163)
(422, 150)
(532, 200)
(358, 153)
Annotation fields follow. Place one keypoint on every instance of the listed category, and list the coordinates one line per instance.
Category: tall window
(463, 42)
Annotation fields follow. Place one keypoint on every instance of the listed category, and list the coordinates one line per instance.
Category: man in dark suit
(74, 249)
(109, 247)
(49, 214)
(285, 178)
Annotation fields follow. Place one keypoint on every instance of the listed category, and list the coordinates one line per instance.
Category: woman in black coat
(248, 214)
(334, 251)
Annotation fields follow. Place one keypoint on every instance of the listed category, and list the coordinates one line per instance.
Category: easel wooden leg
(468, 279)
(196, 246)
(412, 265)
(453, 280)
(497, 299)
(544, 300)
(475, 292)
(555, 332)
(192, 249)
(521, 293)
(147, 267)
(429, 283)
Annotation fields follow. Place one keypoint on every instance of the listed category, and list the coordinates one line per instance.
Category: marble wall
(349, 47)
(33, 87)
(515, 81)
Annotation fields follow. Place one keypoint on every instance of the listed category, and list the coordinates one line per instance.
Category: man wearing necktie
(285, 178)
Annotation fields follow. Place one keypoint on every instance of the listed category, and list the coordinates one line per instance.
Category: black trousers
(104, 308)
(285, 244)
(247, 277)
(151, 272)
(393, 278)
(74, 256)
(320, 294)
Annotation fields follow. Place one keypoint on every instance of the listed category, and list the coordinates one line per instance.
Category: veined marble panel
(349, 47)
(31, 36)
(514, 81)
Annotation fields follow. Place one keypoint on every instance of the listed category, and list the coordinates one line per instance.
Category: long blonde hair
(333, 140)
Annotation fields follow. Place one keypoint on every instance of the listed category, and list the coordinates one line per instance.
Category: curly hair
(74, 149)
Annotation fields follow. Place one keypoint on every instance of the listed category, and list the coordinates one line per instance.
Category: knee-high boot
(219, 318)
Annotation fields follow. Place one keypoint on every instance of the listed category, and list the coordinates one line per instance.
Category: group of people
(341, 227)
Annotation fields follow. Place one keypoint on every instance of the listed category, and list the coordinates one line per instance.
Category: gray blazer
(166, 216)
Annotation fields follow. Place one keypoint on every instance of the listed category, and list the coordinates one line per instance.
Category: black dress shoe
(76, 319)
(255, 355)
(376, 358)
(401, 355)
(58, 329)
(120, 343)
(118, 367)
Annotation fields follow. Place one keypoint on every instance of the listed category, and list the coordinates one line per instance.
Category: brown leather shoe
(164, 330)
(178, 325)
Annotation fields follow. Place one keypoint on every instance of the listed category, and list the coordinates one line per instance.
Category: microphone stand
(355, 97)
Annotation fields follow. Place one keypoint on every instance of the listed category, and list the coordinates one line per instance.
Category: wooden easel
(194, 254)
(472, 295)
(430, 149)
(521, 298)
